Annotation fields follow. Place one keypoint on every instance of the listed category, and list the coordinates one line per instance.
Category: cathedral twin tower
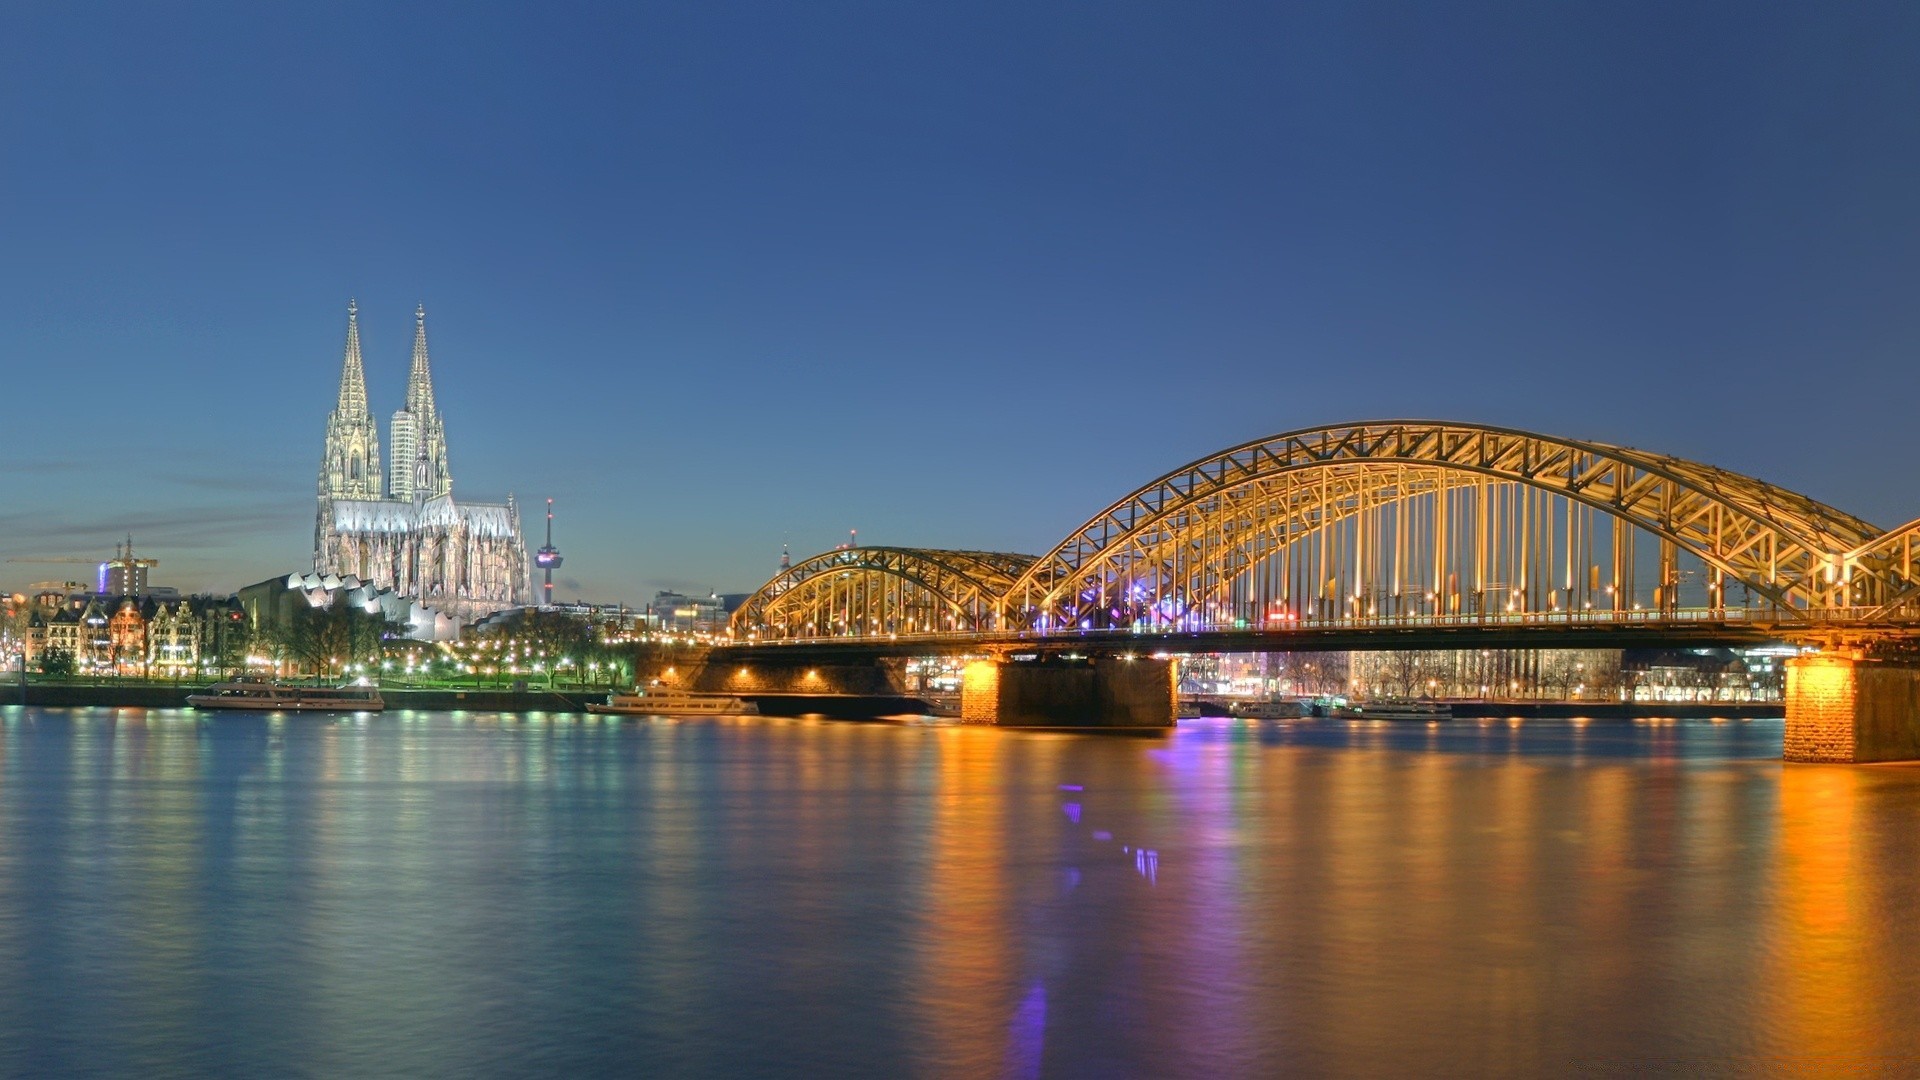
(418, 441)
(402, 531)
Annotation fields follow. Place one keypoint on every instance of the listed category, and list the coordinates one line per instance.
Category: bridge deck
(1508, 634)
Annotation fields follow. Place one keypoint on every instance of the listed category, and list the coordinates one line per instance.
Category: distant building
(270, 604)
(152, 636)
(127, 637)
(79, 627)
(125, 575)
(405, 534)
(678, 613)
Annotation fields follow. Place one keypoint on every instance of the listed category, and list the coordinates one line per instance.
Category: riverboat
(1265, 710)
(658, 701)
(259, 695)
(1393, 710)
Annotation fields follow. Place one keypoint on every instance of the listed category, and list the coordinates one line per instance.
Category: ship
(660, 701)
(1393, 710)
(260, 695)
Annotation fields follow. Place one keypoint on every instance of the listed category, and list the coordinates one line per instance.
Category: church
(398, 529)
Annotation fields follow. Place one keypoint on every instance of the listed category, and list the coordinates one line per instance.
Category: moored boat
(1272, 709)
(1393, 710)
(660, 701)
(260, 695)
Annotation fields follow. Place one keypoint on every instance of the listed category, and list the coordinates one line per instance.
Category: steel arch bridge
(873, 591)
(1389, 523)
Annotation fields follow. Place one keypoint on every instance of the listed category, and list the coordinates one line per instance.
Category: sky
(722, 277)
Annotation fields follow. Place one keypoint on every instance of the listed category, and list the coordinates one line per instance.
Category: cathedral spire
(420, 379)
(418, 440)
(350, 464)
(353, 375)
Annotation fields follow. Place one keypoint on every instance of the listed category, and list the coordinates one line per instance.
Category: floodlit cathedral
(399, 528)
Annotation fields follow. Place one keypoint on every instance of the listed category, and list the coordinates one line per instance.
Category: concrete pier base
(1100, 693)
(1848, 709)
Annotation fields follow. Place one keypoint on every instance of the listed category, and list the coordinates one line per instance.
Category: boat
(1256, 709)
(660, 701)
(260, 695)
(1393, 710)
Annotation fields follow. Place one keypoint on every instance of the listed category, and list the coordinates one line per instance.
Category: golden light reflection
(1818, 981)
(967, 979)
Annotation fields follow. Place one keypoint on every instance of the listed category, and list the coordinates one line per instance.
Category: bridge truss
(1393, 522)
(880, 591)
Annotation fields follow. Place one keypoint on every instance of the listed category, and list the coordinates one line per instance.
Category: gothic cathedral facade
(398, 527)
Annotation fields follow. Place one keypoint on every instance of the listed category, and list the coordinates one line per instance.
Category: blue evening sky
(718, 276)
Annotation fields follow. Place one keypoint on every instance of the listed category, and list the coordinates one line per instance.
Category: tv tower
(548, 557)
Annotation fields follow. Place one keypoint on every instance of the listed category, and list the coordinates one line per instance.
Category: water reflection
(439, 894)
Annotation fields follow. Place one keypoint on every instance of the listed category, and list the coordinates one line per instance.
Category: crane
(122, 561)
(56, 558)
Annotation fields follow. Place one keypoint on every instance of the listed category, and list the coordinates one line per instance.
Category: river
(475, 894)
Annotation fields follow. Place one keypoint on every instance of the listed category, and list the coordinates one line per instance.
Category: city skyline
(688, 269)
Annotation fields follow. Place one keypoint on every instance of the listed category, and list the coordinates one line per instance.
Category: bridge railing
(1283, 626)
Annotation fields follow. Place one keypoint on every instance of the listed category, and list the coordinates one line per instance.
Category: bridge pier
(1103, 692)
(1852, 708)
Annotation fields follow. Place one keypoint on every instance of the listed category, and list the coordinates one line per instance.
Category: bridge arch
(1886, 571)
(876, 591)
(1430, 518)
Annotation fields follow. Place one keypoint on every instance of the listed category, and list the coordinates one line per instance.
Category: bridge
(1406, 534)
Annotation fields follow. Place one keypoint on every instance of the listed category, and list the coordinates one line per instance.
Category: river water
(473, 894)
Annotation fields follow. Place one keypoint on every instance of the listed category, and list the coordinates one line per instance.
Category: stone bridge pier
(1852, 707)
(1097, 692)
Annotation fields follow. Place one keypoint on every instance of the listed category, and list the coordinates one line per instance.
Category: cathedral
(398, 528)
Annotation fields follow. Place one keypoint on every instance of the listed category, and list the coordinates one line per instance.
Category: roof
(397, 517)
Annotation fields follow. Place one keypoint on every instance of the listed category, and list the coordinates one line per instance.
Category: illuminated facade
(127, 635)
(399, 528)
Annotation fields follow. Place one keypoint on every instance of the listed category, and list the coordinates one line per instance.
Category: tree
(57, 661)
(325, 640)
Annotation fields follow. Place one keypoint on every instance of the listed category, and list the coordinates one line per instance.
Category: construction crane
(56, 558)
(131, 571)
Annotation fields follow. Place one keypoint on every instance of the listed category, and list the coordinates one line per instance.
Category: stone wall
(1109, 692)
(980, 692)
(1843, 709)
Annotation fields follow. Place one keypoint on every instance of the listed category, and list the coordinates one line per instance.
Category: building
(398, 529)
(269, 605)
(127, 637)
(79, 627)
(678, 613)
(149, 636)
(124, 575)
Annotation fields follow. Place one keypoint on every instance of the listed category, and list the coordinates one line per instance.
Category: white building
(404, 533)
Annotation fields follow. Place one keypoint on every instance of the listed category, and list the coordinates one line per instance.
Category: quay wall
(108, 695)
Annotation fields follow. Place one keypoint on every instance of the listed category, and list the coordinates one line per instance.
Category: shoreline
(852, 707)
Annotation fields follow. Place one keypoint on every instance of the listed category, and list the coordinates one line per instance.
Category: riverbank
(1577, 710)
(175, 697)
(109, 695)
(847, 707)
